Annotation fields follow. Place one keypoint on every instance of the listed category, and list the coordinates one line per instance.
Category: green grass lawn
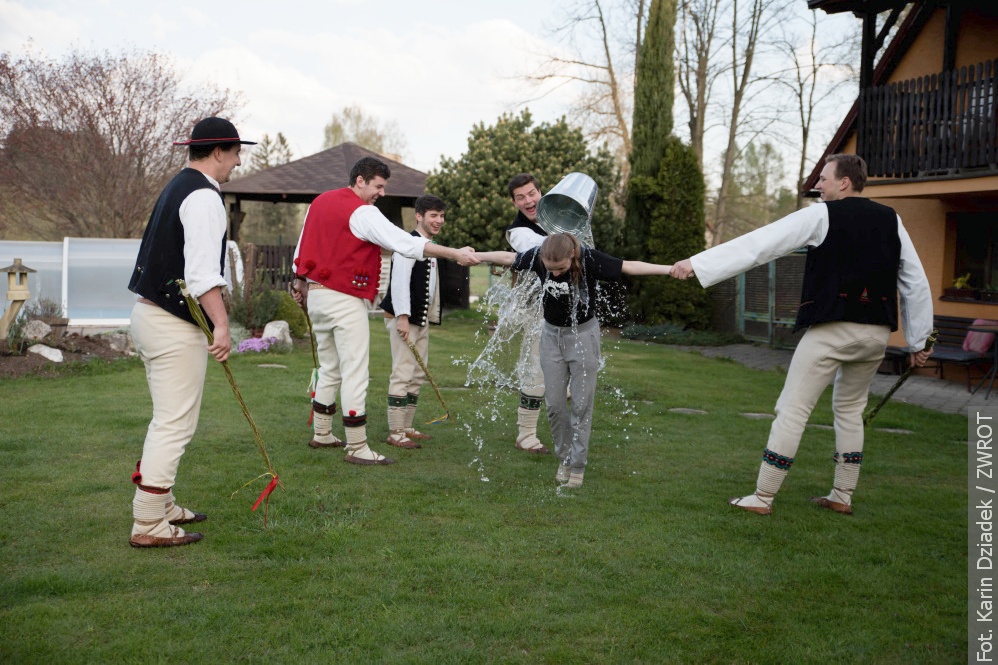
(465, 551)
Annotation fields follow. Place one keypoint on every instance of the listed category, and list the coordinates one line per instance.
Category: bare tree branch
(86, 141)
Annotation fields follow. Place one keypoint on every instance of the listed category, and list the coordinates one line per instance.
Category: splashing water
(517, 309)
(518, 326)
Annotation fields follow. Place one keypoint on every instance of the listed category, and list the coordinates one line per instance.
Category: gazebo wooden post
(236, 217)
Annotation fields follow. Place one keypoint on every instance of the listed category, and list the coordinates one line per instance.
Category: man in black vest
(185, 239)
(411, 303)
(859, 258)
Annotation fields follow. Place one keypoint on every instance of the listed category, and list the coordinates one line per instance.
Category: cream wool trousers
(343, 342)
(175, 355)
(407, 376)
(844, 353)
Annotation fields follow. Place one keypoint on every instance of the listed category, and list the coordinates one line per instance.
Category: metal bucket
(568, 208)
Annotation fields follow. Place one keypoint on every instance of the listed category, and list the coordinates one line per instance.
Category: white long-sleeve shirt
(401, 277)
(808, 228)
(521, 239)
(368, 223)
(202, 215)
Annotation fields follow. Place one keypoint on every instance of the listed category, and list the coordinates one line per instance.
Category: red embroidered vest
(333, 256)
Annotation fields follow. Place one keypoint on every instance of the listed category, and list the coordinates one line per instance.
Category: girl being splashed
(570, 344)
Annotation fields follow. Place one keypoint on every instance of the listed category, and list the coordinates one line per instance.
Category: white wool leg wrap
(769, 482)
(175, 512)
(410, 416)
(526, 422)
(356, 435)
(846, 478)
(149, 514)
(322, 424)
(397, 418)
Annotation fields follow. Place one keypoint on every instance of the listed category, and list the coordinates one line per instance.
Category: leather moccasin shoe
(402, 442)
(319, 444)
(382, 461)
(825, 502)
(537, 448)
(758, 510)
(416, 435)
(156, 541)
(197, 517)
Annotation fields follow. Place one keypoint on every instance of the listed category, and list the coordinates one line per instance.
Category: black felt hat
(211, 131)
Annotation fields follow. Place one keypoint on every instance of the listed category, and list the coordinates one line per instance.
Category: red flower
(310, 264)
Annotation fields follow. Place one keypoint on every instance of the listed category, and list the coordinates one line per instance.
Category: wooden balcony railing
(937, 125)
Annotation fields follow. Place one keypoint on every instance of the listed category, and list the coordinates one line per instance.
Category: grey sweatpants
(570, 357)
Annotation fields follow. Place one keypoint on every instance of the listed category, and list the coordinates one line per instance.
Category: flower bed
(256, 344)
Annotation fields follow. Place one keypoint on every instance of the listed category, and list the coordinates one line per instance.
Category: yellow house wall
(975, 43)
(935, 241)
(923, 206)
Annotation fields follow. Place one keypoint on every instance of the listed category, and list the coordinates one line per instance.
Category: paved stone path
(924, 391)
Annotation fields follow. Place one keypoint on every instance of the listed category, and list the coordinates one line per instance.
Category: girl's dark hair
(563, 246)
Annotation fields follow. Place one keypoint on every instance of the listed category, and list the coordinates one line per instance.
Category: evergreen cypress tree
(665, 219)
(652, 123)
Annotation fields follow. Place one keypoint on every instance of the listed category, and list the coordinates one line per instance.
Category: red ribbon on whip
(265, 493)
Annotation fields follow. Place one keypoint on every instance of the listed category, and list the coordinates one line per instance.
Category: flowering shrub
(256, 344)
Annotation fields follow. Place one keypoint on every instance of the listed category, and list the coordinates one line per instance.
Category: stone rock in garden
(119, 341)
(55, 355)
(281, 331)
(36, 329)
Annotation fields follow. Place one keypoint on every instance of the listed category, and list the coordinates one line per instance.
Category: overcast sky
(435, 67)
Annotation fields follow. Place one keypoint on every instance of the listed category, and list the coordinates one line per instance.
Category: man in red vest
(338, 267)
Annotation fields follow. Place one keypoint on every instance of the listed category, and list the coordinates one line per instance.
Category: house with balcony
(925, 123)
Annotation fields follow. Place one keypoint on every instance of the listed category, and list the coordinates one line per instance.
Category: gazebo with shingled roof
(304, 179)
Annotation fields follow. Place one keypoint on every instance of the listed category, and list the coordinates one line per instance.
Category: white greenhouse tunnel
(87, 276)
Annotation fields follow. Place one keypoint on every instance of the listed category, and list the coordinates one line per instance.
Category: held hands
(466, 257)
(682, 269)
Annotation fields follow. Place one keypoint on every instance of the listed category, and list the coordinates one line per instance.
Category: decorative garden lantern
(17, 294)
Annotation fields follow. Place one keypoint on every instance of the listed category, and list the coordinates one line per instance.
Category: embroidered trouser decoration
(772, 472)
(847, 467)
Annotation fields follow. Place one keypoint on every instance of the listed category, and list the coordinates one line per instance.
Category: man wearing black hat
(185, 239)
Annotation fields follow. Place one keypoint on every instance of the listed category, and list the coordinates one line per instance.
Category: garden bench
(948, 349)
